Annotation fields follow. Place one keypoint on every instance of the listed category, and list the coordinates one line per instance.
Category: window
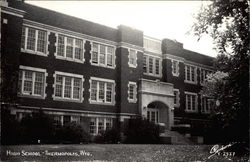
(34, 40)
(203, 75)
(206, 104)
(191, 102)
(175, 68)
(101, 91)
(190, 74)
(99, 124)
(75, 119)
(68, 86)
(102, 55)
(153, 115)
(132, 58)
(70, 48)
(152, 65)
(176, 98)
(132, 92)
(31, 82)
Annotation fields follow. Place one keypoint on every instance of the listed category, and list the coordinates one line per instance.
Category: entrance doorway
(153, 115)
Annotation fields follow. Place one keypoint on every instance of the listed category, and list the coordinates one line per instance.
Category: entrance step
(175, 138)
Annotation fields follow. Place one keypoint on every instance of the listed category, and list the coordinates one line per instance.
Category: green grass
(116, 152)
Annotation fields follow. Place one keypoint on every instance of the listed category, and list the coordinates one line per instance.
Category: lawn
(108, 152)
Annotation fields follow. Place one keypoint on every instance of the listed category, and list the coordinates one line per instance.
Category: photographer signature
(217, 150)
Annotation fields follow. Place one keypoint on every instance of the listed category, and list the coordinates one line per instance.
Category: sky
(158, 19)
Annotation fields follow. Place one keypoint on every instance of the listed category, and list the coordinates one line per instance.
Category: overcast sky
(159, 19)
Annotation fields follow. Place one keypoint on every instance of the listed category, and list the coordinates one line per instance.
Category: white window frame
(177, 98)
(65, 74)
(33, 69)
(65, 47)
(134, 100)
(195, 74)
(176, 74)
(196, 102)
(154, 66)
(36, 38)
(129, 53)
(96, 119)
(106, 51)
(102, 102)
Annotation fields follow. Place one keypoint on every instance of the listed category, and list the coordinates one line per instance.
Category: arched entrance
(157, 112)
(156, 102)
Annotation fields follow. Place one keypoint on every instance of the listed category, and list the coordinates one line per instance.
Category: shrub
(72, 133)
(109, 136)
(37, 126)
(10, 128)
(142, 131)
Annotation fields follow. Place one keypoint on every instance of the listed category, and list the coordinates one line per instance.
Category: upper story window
(102, 55)
(132, 92)
(176, 97)
(152, 65)
(31, 82)
(34, 41)
(102, 91)
(191, 102)
(203, 75)
(68, 86)
(206, 104)
(175, 68)
(132, 58)
(70, 48)
(190, 74)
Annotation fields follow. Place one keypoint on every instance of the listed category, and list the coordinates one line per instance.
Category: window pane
(67, 87)
(101, 91)
(92, 126)
(78, 49)
(39, 80)
(94, 56)
(23, 38)
(131, 91)
(61, 45)
(109, 92)
(93, 90)
(150, 65)
(69, 48)
(109, 60)
(31, 39)
(102, 54)
(192, 73)
(77, 88)
(108, 123)
(27, 87)
(132, 57)
(100, 125)
(157, 66)
(59, 82)
(20, 76)
(41, 41)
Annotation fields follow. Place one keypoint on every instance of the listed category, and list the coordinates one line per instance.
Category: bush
(37, 126)
(10, 128)
(108, 136)
(72, 133)
(141, 131)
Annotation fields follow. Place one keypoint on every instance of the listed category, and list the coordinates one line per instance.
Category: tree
(227, 22)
